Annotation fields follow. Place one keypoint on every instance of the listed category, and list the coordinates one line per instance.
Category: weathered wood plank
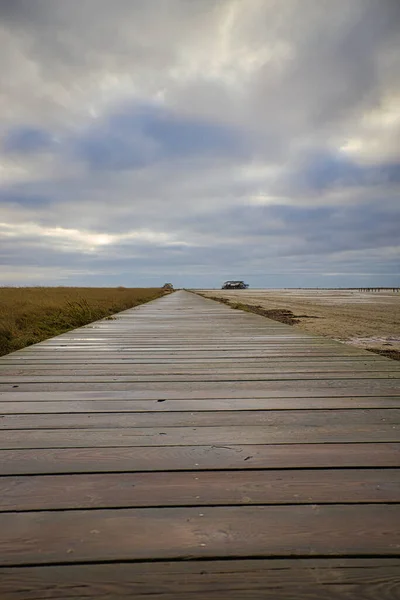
(266, 351)
(17, 359)
(191, 371)
(193, 436)
(228, 376)
(210, 418)
(233, 377)
(21, 407)
(195, 458)
(201, 488)
(192, 396)
(222, 389)
(170, 533)
(263, 579)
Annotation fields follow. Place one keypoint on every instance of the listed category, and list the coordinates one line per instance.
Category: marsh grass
(31, 314)
(279, 314)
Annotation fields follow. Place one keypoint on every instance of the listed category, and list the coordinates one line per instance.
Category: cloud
(136, 136)
(27, 140)
(202, 140)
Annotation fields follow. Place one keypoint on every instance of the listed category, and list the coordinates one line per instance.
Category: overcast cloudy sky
(193, 141)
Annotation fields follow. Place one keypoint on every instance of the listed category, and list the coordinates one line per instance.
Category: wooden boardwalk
(187, 450)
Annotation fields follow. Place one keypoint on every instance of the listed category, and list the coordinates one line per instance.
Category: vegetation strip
(31, 315)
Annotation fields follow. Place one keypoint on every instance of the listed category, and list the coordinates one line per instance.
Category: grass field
(30, 315)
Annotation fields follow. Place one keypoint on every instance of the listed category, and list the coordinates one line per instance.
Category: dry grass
(280, 314)
(30, 315)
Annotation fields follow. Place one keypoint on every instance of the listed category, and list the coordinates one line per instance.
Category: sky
(195, 141)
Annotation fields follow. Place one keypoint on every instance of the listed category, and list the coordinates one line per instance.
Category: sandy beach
(363, 319)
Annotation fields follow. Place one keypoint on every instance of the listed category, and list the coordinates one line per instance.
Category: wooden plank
(266, 353)
(117, 343)
(189, 334)
(277, 352)
(199, 378)
(138, 348)
(193, 396)
(193, 436)
(177, 373)
(267, 418)
(196, 458)
(304, 346)
(301, 347)
(221, 389)
(262, 579)
(236, 404)
(17, 359)
(190, 340)
(29, 538)
(202, 488)
(204, 368)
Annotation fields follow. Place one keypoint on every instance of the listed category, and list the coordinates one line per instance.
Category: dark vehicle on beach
(235, 285)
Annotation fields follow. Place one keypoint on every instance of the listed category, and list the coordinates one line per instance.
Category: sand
(363, 319)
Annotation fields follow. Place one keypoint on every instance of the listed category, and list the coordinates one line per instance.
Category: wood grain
(281, 579)
(171, 533)
(204, 371)
(34, 407)
(197, 436)
(221, 389)
(196, 458)
(201, 488)
(266, 418)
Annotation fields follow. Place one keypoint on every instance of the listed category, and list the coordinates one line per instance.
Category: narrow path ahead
(185, 449)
